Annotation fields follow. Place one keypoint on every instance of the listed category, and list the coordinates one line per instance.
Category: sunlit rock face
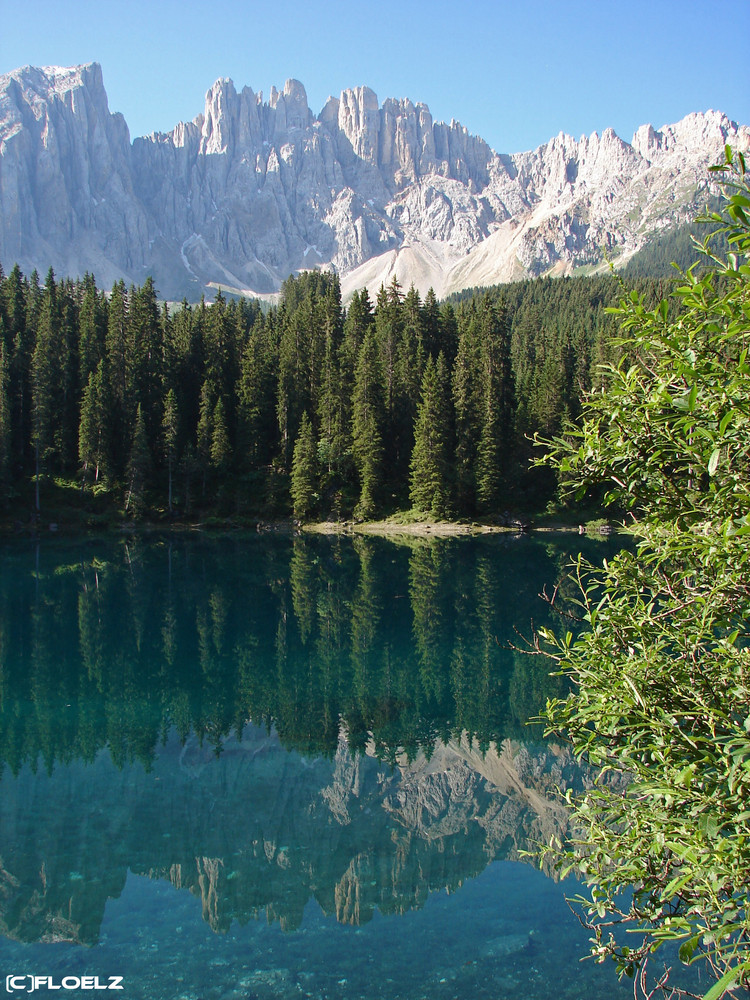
(252, 190)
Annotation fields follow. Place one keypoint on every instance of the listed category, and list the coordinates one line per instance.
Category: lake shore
(439, 529)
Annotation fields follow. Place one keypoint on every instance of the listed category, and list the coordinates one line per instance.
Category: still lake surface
(275, 767)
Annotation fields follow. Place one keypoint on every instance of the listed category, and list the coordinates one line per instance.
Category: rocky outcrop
(252, 190)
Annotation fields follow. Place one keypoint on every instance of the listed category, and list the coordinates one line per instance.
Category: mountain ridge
(250, 191)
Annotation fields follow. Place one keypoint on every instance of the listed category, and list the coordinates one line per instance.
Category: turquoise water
(276, 767)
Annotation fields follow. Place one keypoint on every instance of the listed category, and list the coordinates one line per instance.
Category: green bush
(661, 667)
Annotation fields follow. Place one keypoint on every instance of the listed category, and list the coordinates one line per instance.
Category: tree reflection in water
(268, 721)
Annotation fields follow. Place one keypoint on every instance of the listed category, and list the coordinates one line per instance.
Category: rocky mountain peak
(359, 122)
(250, 191)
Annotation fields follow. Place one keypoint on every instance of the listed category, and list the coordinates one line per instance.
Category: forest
(125, 406)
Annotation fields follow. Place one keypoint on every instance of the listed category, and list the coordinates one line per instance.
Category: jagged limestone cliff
(252, 190)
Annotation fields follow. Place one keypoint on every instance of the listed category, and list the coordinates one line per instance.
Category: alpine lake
(282, 767)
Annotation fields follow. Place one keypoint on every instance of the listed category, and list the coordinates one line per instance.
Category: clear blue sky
(513, 71)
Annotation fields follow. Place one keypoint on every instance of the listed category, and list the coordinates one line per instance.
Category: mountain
(251, 191)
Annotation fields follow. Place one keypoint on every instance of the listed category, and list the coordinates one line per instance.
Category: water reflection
(388, 753)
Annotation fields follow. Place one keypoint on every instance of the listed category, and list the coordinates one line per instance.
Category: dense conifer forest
(305, 408)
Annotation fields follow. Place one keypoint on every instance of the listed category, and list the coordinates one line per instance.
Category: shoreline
(442, 529)
(383, 528)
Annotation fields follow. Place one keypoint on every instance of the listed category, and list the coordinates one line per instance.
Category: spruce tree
(139, 465)
(257, 399)
(118, 365)
(221, 451)
(467, 405)
(5, 425)
(304, 471)
(145, 362)
(204, 434)
(91, 332)
(367, 420)
(19, 341)
(170, 425)
(93, 424)
(496, 442)
(430, 489)
(45, 380)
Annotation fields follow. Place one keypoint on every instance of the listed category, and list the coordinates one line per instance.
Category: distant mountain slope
(251, 191)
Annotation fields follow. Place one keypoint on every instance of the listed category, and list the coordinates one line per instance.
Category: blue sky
(515, 73)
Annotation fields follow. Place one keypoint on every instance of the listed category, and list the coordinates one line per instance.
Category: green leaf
(722, 985)
(687, 949)
(713, 461)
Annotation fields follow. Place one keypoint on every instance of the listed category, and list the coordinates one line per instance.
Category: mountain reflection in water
(388, 753)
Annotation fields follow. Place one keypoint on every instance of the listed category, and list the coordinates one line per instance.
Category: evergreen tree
(145, 363)
(118, 365)
(497, 406)
(91, 332)
(430, 489)
(45, 380)
(139, 465)
(221, 451)
(467, 406)
(388, 320)
(409, 370)
(221, 356)
(334, 416)
(19, 339)
(204, 434)
(367, 419)
(304, 471)
(6, 437)
(431, 325)
(448, 333)
(68, 375)
(93, 423)
(257, 399)
(170, 425)
(359, 316)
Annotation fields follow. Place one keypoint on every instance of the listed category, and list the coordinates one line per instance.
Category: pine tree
(146, 358)
(367, 419)
(409, 370)
(92, 428)
(496, 442)
(139, 465)
(359, 316)
(45, 379)
(67, 418)
(221, 451)
(431, 324)
(466, 403)
(92, 327)
(170, 425)
(430, 488)
(118, 364)
(333, 416)
(304, 471)
(204, 434)
(20, 346)
(257, 399)
(6, 437)
(221, 359)
(388, 320)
